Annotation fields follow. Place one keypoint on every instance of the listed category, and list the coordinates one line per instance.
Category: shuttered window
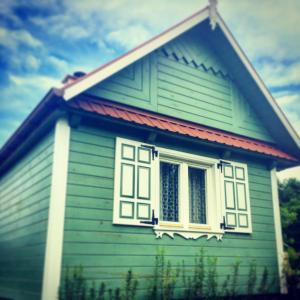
(134, 177)
(178, 192)
(236, 197)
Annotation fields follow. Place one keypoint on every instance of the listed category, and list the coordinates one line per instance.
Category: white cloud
(265, 28)
(24, 37)
(32, 62)
(25, 61)
(75, 32)
(11, 39)
(6, 10)
(40, 81)
(288, 99)
(294, 118)
(58, 63)
(19, 98)
(97, 20)
(280, 74)
(129, 37)
(289, 173)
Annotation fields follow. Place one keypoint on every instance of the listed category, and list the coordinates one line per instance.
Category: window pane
(197, 196)
(169, 191)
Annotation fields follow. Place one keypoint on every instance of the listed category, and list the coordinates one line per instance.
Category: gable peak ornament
(213, 13)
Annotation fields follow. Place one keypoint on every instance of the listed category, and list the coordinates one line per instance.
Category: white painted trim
(187, 234)
(132, 56)
(258, 81)
(278, 232)
(183, 156)
(56, 217)
(238, 229)
(213, 200)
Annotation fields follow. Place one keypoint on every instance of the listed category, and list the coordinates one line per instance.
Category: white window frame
(183, 227)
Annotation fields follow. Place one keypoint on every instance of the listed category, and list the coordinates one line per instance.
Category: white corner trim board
(278, 232)
(56, 217)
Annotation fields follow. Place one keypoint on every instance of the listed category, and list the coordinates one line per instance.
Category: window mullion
(184, 195)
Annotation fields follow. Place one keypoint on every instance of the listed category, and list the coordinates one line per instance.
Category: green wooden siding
(108, 251)
(185, 77)
(24, 201)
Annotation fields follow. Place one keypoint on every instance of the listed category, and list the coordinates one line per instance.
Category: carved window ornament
(179, 193)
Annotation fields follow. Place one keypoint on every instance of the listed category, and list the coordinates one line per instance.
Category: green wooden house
(174, 146)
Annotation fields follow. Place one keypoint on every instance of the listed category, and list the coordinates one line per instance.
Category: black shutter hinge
(154, 221)
(153, 150)
(221, 165)
(224, 226)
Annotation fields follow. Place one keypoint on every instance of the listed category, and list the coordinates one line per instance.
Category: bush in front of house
(169, 281)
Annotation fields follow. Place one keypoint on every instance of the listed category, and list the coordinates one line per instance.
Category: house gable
(185, 78)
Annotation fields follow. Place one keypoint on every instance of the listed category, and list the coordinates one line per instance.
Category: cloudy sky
(41, 41)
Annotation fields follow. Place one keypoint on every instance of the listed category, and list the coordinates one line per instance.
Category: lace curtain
(169, 191)
(197, 196)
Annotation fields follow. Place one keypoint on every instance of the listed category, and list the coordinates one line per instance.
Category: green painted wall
(107, 251)
(185, 78)
(24, 200)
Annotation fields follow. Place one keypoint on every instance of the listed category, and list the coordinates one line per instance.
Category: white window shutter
(236, 198)
(135, 166)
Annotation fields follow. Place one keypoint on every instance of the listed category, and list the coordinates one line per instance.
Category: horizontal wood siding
(133, 85)
(108, 251)
(185, 78)
(24, 201)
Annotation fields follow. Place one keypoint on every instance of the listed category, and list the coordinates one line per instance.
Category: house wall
(108, 251)
(185, 78)
(24, 200)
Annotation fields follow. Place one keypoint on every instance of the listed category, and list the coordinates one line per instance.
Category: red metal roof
(141, 117)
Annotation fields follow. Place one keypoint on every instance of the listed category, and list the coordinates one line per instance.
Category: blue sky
(41, 41)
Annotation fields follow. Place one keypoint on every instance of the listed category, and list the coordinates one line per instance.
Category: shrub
(201, 284)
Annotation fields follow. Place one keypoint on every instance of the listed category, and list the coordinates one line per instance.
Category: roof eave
(155, 120)
(280, 163)
(28, 124)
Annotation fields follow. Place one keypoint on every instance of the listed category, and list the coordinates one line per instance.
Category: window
(197, 195)
(169, 191)
(179, 193)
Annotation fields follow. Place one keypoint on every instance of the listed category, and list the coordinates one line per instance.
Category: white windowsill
(188, 233)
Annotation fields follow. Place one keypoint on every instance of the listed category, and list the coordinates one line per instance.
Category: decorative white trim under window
(179, 193)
